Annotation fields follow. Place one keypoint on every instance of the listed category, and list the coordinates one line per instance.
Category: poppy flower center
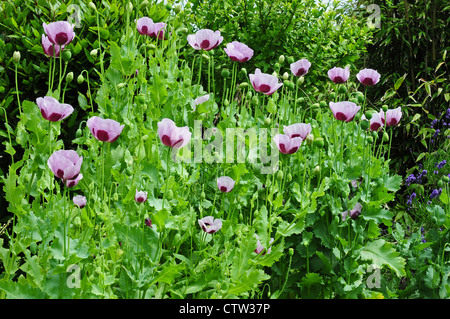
(341, 116)
(204, 44)
(223, 188)
(300, 72)
(61, 38)
(102, 135)
(264, 88)
(283, 148)
(144, 29)
(338, 80)
(60, 173)
(367, 81)
(54, 117)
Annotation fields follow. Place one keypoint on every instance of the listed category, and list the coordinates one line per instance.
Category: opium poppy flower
(205, 39)
(297, 130)
(301, 67)
(264, 83)
(392, 116)
(104, 130)
(238, 51)
(225, 184)
(65, 164)
(52, 110)
(50, 49)
(74, 182)
(209, 224)
(59, 33)
(344, 111)
(260, 248)
(140, 196)
(368, 77)
(339, 75)
(171, 135)
(286, 144)
(80, 201)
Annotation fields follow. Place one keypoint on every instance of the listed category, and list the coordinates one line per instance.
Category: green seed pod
(225, 73)
(368, 114)
(323, 104)
(354, 100)
(290, 60)
(66, 55)
(445, 178)
(333, 96)
(365, 124)
(360, 98)
(342, 89)
(369, 139)
(385, 107)
(290, 85)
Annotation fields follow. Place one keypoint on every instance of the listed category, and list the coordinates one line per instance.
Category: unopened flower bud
(225, 73)
(16, 56)
(300, 80)
(66, 55)
(92, 6)
(94, 53)
(285, 76)
(69, 77)
(130, 7)
(281, 59)
(385, 137)
(80, 79)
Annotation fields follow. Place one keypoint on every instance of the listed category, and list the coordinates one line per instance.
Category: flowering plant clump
(277, 185)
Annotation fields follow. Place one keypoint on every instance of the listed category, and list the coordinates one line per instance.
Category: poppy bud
(285, 76)
(69, 77)
(280, 175)
(290, 60)
(80, 79)
(267, 121)
(281, 59)
(342, 89)
(276, 66)
(316, 170)
(92, 6)
(94, 53)
(225, 73)
(319, 142)
(244, 71)
(385, 137)
(16, 56)
(300, 80)
(364, 125)
(332, 96)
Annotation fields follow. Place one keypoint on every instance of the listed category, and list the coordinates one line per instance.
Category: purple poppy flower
(286, 144)
(140, 196)
(104, 130)
(209, 224)
(297, 130)
(392, 116)
(148, 222)
(344, 111)
(301, 67)
(79, 200)
(238, 51)
(264, 83)
(368, 77)
(145, 26)
(65, 164)
(59, 33)
(225, 184)
(260, 248)
(205, 39)
(200, 100)
(50, 49)
(171, 135)
(339, 75)
(376, 122)
(354, 213)
(52, 110)
(74, 182)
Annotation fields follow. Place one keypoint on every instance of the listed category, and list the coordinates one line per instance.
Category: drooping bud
(16, 56)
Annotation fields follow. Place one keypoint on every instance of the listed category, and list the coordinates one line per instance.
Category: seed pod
(225, 73)
(319, 142)
(342, 89)
(365, 124)
(368, 114)
(385, 107)
(66, 55)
